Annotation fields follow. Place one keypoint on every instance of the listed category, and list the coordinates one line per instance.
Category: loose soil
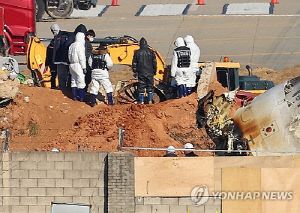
(50, 120)
(41, 119)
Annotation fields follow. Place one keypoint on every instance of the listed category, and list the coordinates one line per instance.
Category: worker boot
(184, 93)
(188, 90)
(53, 83)
(150, 97)
(75, 93)
(93, 100)
(180, 91)
(141, 98)
(81, 95)
(110, 99)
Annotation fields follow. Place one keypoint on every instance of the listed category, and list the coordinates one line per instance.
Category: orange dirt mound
(52, 120)
(152, 126)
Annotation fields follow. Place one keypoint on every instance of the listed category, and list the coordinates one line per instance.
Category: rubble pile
(8, 88)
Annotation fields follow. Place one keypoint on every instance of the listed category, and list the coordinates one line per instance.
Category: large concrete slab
(248, 9)
(163, 10)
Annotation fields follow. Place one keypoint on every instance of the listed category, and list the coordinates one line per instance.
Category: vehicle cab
(17, 24)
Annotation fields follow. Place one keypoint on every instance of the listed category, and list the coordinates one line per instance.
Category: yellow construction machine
(122, 50)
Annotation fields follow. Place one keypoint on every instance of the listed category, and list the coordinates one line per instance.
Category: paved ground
(271, 41)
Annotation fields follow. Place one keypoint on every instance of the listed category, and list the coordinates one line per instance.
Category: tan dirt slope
(42, 119)
(51, 120)
(275, 76)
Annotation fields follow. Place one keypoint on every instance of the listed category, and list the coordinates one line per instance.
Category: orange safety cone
(274, 2)
(114, 3)
(200, 2)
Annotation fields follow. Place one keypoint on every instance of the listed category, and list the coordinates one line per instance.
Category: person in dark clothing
(189, 153)
(144, 67)
(61, 45)
(90, 34)
(60, 57)
(80, 28)
(170, 152)
(49, 56)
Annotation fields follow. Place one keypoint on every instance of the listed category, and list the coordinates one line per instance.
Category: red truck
(17, 24)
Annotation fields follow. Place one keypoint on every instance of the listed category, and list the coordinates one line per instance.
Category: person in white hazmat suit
(77, 66)
(180, 65)
(194, 68)
(101, 64)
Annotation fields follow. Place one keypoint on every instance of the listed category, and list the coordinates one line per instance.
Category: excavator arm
(36, 57)
(123, 54)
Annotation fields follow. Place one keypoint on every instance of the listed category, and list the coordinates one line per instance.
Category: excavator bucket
(36, 57)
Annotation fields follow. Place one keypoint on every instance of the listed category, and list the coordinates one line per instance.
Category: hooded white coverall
(180, 73)
(195, 55)
(101, 76)
(77, 60)
(55, 29)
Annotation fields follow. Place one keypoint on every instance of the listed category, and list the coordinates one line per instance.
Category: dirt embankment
(277, 77)
(41, 119)
(37, 115)
(49, 120)
(152, 126)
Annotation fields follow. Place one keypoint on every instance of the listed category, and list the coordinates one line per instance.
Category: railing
(121, 148)
(4, 145)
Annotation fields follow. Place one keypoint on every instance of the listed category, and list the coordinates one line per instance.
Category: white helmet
(188, 146)
(171, 149)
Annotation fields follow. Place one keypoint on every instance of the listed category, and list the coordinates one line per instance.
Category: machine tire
(129, 94)
(86, 6)
(40, 6)
(52, 10)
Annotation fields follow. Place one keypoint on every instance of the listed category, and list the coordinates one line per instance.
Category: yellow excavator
(122, 50)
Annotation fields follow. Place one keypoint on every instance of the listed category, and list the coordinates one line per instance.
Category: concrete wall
(175, 205)
(30, 181)
(121, 182)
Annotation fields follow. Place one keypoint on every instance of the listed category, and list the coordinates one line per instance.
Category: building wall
(30, 181)
(118, 182)
(175, 205)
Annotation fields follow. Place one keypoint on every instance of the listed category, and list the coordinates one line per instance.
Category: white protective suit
(77, 60)
(179, 73)
(101, 76)
(195, 56)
